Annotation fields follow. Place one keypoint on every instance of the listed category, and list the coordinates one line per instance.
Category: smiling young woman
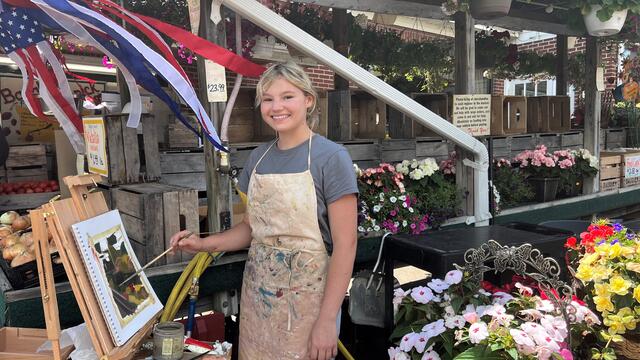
(300, 225)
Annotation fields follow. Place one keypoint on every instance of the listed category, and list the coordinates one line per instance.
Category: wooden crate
(368, 116)
(508, 115)
(26, 162)
(548, 114)
(184, 168)
(152, 213)
(610, 171)
(127, 162)
(572, 140)
(23, 343)
(365, 154)
(558, 112)
(404, 127)
(615, 138)
(500, 146)
(396, 150)
(246, 124)
(553, 142)
(438, 149)
(520, 143)
(3, 175)
(181, 137)
(25, 201)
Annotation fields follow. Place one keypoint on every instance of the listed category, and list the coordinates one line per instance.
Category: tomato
(29, 191)
(48, 189)
(38, 190)
(53, 182)
(55, 187)
(20, 191)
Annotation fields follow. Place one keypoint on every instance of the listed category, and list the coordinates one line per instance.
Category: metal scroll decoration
(526, 261)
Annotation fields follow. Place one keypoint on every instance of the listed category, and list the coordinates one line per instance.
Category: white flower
(556, 327)
(584, 314)
(430, 355)
(361, 229)
(421, 342)
(456, 321)
(393, 199)
(416, 174)
(411, 210)
(484, 292)
(435, 328)
(478, 332)
(397, 354)
(414, 163)
(357, 170)
(381, 196)
(438, 285)
(453, 277)
(495, 310)
(531, 314)
(402, 197)
(521, 338)
(545, 306)
(404, 205)
(531, 328)
(407, 342)
(398, 295)
(501, 298)
(422, 295)
(524, 290)
(404, 223)
(545, 340)
(369, 229)
(376, 227)
(396, 224)
(377, 208)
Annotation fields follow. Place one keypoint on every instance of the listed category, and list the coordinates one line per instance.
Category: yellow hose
(194, 269)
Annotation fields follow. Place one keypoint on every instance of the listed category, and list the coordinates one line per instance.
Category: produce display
(29, 187)
(16, 239)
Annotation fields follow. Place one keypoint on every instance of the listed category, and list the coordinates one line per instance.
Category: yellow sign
(96, 145)
(33, 129)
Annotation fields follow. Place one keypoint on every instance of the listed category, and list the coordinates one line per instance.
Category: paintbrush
(155, 259)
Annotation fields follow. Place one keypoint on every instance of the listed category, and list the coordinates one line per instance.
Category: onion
(8, 217)
(20, 223)
(11, 252)
(10, 240)
(5, 230)
(22, 259)
(27, 239)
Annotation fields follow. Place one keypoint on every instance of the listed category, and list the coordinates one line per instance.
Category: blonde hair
(294, 74)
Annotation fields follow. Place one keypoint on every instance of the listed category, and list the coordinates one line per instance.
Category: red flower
(587, 238)
(571, 243)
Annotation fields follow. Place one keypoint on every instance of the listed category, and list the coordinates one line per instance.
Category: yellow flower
(589, 259)
(636, 293)
(600, 272)
(602, 249)
(619, 285)
(615, 251)
(585, 272)
(603, 303)
(615, 325)
(628, 251)
(621, 322)
(634, 266)
(628, 318)
(602, 290)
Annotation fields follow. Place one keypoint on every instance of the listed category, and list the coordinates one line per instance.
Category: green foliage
(174, 12)
(511, 186)
(608, 7)
(443, 201)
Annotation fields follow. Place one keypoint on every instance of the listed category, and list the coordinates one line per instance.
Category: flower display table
(437, 251)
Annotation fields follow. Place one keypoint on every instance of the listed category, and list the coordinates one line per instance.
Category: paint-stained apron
(286, 269)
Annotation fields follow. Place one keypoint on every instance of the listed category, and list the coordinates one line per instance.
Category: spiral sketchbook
(109, 260)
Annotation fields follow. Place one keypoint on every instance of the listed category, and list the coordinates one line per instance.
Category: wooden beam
(340, 43)
(218, 184)
(562, 64)
(339, 115)
(526, 17)
(592, 101)
(465, 55)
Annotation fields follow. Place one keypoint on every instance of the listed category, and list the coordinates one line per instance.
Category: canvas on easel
(109, 259)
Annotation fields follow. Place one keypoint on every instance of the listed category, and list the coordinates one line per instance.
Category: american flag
(139, 64)
(22, 39)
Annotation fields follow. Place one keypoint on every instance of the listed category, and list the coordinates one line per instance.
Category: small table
(437, 251)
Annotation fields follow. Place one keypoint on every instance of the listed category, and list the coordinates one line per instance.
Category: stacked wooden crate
(181, 137)
(152, 213)
(610, 171)
(26, 163)
(508, 115)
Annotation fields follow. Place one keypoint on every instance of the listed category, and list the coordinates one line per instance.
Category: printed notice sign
(96, 145)
(472, 113)
(216, 82)
(631, 166)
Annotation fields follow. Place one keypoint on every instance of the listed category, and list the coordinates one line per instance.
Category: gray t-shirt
(331, 168)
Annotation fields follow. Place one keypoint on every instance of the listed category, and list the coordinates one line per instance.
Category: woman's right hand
(186, 240)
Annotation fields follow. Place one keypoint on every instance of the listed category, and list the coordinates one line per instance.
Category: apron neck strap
(274, 142)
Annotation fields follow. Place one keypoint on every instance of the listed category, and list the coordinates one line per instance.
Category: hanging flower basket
(489, 9)
(597, 27)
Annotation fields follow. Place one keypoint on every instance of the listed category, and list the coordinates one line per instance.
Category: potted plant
(605, 17)
(510, 184)
(606, 261)
(585, 166)
(542, 170)
(480, 9)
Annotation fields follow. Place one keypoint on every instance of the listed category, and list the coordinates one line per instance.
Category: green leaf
(496, 347)
(513, 352)
(399, 332)
(456, 303)
(479, 352)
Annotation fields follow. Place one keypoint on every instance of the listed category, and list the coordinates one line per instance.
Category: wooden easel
(58, 216)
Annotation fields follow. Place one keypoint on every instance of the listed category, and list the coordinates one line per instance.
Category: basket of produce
(18, 252)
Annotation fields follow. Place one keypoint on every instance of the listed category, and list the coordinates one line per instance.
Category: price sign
(631, 166)
(216, 82)
(96, 145)
(472, 113)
